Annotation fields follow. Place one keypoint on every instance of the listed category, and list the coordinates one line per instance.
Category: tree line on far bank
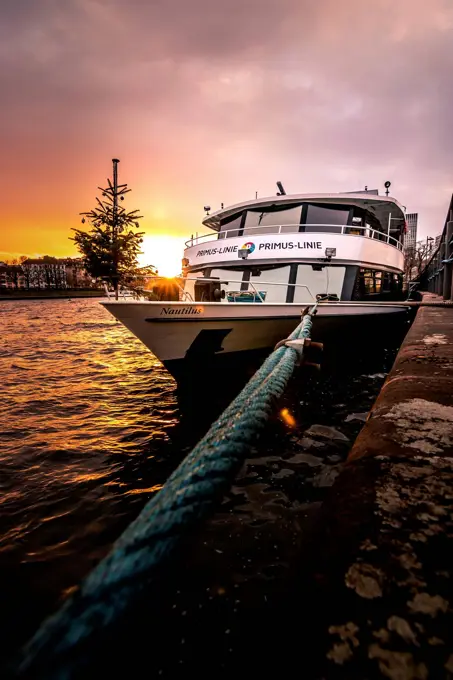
(45, 273)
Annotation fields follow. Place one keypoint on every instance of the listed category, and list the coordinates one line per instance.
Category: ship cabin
(299, 248)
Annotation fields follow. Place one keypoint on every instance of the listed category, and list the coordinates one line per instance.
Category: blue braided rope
(187, 497)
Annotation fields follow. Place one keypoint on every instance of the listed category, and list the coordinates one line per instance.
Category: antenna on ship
(281, 191)
(387, 185)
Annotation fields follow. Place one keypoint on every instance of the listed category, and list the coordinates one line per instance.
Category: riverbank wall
(383, 564)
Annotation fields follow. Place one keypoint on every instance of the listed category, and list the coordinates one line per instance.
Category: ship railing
(187, 296)
(346, 229)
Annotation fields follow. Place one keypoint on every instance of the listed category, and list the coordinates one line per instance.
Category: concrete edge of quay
(413, 407)
(381, 558)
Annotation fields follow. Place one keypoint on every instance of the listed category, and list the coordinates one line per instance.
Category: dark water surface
(85, 412)
(91, 426)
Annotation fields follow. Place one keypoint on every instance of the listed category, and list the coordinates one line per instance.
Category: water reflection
(85, 415)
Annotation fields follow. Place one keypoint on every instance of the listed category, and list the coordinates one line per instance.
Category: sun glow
(164, 252)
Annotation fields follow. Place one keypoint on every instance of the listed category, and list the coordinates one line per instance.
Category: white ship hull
(280, 253)
(186, 335)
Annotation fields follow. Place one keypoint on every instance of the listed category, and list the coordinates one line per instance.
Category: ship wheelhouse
(290, 249)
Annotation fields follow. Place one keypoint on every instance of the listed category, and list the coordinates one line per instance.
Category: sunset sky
(207, 101)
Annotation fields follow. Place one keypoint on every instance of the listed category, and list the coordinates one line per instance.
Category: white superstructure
(246, 281)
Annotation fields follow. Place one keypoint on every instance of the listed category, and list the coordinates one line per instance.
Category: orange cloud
(204, 105)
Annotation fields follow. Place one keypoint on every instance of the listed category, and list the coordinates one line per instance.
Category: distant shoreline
(51, 295)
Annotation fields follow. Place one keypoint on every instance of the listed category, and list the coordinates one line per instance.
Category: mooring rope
(190, 492)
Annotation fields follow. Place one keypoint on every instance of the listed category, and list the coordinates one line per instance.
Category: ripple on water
(82, 404)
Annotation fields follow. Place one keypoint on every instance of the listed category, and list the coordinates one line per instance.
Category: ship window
(230, 225)
(358, 223)
(387, 282)
(319, 281)
(372, 281)
(378, 230)
(233, 276)
(377, 282)
(231, 279)
(368, 281)
(272, 220)
(268, 281)
(271, 277)
(323, 218)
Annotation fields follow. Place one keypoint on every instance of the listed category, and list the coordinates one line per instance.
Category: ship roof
(381, 206)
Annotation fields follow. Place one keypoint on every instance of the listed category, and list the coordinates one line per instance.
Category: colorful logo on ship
(248, 246)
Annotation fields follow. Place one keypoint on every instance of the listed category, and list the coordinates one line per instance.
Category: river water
(91, 426)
